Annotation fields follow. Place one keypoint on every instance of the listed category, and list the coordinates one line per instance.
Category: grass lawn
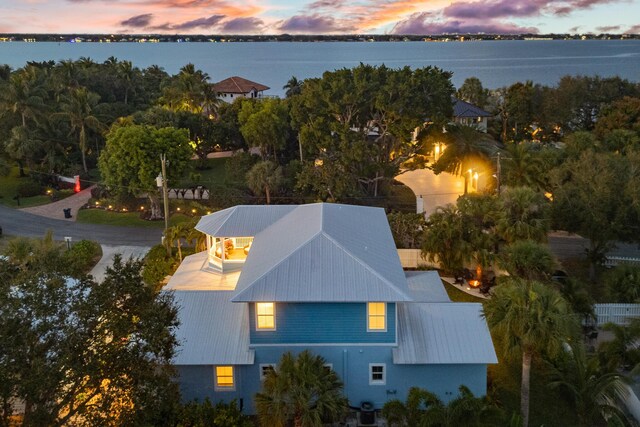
(214, 174)
(124, 219)
(8, 190)
(456, 295)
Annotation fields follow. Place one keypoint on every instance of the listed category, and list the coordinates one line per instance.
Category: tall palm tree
(466, 147)
(527, 260)
(77, 109)
(528, 319)
(597, 395)
(293, 87)
(126, 74)
(300, 391)
(24, 96)
(186, 90)
(522, 167)
(524, 215)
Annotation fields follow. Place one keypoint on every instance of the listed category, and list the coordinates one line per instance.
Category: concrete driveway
(436, 190)
(109, 251)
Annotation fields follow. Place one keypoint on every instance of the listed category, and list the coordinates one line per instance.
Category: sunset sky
(319, 17)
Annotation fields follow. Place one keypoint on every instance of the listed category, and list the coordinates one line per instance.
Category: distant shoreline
(184, 38)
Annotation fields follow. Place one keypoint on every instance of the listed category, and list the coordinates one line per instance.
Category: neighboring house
(236, 87)
(470, 115)
(323, 277)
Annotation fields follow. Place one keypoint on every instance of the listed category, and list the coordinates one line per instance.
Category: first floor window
(265, 369)
(377, 374)
(224, 378)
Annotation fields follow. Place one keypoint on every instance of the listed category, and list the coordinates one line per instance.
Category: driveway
(21, 223)
(108, 252)
(435, 190)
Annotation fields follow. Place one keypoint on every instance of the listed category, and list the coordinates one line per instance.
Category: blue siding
(316, 323)
(352, 366)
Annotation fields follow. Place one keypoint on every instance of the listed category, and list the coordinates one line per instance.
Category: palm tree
(265, 176)
(621, 351)
(522, 167)
(444, 239)
(77, 109)
(524, 215)
(527, 260)
(186, 91)
(293, 87)
(465, 148)
(301, 391)
(528, 319)
(126, 73)
(595, 394)
(424, 408)
(24, 96)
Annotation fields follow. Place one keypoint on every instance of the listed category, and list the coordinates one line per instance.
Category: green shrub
(196, 414)
(623, 284)
(157, 266)
(29, 188)
(238, 165)
(83, 256)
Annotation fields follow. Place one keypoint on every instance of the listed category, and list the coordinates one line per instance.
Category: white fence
(412, 258)
(620, 314)
(613, 261)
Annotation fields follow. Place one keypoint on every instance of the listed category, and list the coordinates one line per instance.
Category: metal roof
(242, 220)
(465, 109)
(443, 333)
(212, 330)
(324, 252)
(426, 286)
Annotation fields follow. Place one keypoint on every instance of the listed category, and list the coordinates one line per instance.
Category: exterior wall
(313, 323)
(351, 363)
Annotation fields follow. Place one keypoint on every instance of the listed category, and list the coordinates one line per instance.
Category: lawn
(456, 295)
(8, 190)
(124, 219)
(212, 175)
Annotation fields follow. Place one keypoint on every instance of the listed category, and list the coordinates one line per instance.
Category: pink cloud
(491, 9)
(138, 21)
(608, 28)
(427, 23)
(635, 29)
(315, 24)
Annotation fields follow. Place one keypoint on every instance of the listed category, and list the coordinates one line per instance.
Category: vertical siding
(317, 323)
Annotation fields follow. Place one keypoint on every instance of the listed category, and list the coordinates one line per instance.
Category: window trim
(264, 365)
(377, 315)
(383, 381)
(218, 387)
(258, 328)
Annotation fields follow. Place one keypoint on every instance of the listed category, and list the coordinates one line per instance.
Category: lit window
(224, 378)
(377, 374)
(377, 315)
(265, 315)
(265, 369)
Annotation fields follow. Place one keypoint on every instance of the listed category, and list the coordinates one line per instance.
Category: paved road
(20, 223)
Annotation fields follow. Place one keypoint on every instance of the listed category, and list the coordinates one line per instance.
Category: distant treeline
(176, 38)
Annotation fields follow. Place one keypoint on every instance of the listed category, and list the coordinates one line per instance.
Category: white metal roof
(443, 333)
(242, 220)
(321, 253)
(212, 330)
(426, 286)
(193, 274)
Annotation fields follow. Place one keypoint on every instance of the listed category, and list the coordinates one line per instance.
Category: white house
(237, 87)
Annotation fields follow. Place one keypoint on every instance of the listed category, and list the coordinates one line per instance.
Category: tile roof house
(237, 87)
(324, 277)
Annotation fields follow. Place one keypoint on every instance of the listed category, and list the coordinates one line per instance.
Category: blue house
(323, 277)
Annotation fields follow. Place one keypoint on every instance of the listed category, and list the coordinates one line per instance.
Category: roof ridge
(231, 210)
(367, 266)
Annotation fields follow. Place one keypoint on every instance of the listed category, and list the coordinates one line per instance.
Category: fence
(412, 258)
(620, 314)
(613, 261)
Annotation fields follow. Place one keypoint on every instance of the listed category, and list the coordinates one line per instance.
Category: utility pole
(498, 173)
(165, 193)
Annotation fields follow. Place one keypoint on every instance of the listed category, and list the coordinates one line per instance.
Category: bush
(238, 165)
(29, 188)
(83, 256)
(623, 284)
(99, 192)
(196, 414)
(157, 266)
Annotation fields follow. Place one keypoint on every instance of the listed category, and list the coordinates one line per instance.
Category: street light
(161, 181)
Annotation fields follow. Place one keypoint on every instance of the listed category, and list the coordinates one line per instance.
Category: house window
(377, 374)
(377, 316)
(224, 378)
(265, 316)
(265, 369)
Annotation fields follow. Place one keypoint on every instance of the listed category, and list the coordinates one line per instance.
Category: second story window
(377, 316)
(265, 316)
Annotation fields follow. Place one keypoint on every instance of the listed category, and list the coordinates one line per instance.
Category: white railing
(620, 314)
(613, 261)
